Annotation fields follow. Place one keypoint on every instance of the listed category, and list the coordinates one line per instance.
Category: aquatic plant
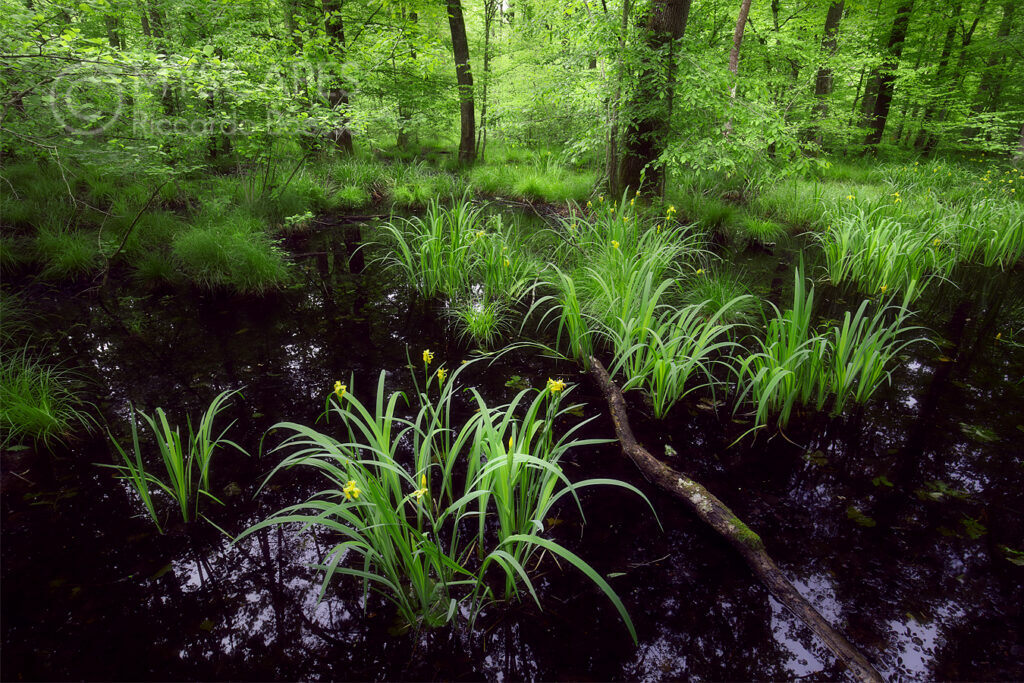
(713, 289)
(663, 356)
(406, 531)
(541, 180)
(881, 254)
(796, 365)
(186, 461)
(481, 320)
(759, 231)
(37, 402)
(230, 253)
(795, 202)
(66, 253)
(573, 331)
(787, 369)
(433, 252)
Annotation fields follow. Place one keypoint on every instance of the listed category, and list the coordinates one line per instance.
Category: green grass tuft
(37, 402)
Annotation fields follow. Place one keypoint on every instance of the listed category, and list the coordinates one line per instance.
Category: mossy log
(715, 513)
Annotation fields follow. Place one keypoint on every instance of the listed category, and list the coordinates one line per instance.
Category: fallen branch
(715, 513)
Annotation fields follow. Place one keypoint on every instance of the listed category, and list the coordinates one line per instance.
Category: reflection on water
(889, 519)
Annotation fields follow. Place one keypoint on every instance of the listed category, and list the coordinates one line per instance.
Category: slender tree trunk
(991, 79)
(295, 48)
(734, 58)
(887, 74)
(961, 68)
(337, 95)
(644, 139)
(490, 9)
(823, 79)
(114, 37)
(612, 156)
(464, 77)
(404, 118)
(923, 136)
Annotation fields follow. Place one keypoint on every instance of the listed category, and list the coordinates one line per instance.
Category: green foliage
(482, 321)
(711, 291)
(663, 355)
(37, 402)
(797, 365)
(548, 182)
(65, 253)
(759, 231)
(405, 529)
(186, 461)
(230, 251)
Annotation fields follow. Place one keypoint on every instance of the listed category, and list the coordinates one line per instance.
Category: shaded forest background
(635, 88)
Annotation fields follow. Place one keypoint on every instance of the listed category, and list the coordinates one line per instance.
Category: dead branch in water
(715, 513)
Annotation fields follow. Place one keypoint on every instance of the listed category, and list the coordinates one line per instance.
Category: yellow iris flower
(555, 385)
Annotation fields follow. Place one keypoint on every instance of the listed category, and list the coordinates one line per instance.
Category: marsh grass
(37, 402)
(798, 365)
(186, 461)
(563, 308)
(544, 180)
(758, 231)
(66, 254)
(795, 202)
(405, 529)
(881, 254)
(664, 352)
(230, 251)
(433, 251)
(482, 321)
(712, 290)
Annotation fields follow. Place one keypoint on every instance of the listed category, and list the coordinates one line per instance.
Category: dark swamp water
(893, 520)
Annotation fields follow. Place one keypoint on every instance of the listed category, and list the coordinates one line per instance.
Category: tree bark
(404, 118)
(715, 513)
(644, 138)
(490, 10)
(991, 80)
(734, 57)
(887, 74)
(823, 79)
(337, 95)
(612, 156)
(464, 77)
(925, 140)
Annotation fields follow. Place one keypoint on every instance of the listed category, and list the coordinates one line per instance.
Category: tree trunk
(887, 74)
(114, 37)
(612, 156)
(823, 79)
(716, 514)
(924, 136)
(404, 118)
(337, 95)
(464, 77)
(490, 10)
(991, 80)
(644, 139)
(734, 57)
